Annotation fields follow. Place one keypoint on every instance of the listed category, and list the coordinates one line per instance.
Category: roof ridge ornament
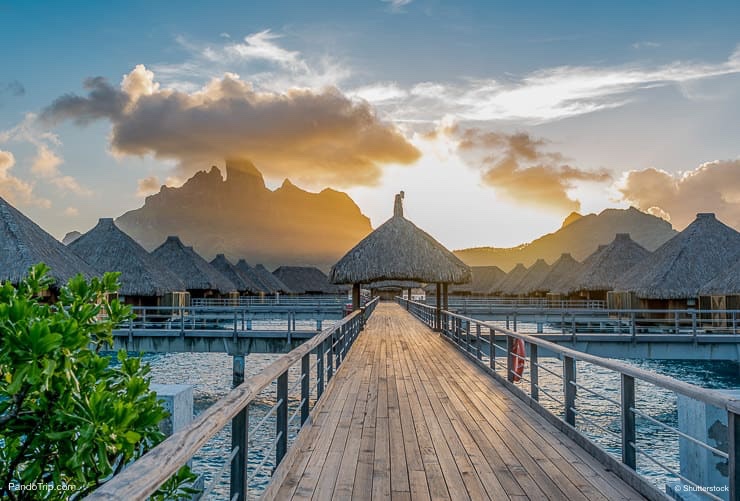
(398, 205)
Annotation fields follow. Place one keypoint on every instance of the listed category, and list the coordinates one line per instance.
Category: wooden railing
(143, 477)
(476, 339)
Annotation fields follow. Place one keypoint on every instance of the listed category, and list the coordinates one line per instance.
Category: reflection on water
(210, 374)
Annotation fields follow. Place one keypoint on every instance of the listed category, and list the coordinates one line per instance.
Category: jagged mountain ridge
(242, 218)
(579, 235)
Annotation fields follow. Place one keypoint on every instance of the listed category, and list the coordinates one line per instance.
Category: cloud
(314, 137)
(519, 168)
(147, 186)
(544, 95)
(15, 190)
(397, 5)
(46, 162)
(711, 187)
(645, 45)
(71, 211)
(13, 88)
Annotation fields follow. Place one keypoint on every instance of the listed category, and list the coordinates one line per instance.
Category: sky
(496, 118)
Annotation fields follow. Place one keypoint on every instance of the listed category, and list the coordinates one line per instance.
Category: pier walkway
(408, 416)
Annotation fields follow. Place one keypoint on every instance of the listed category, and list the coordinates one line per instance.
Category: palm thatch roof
(271, 281)
(510, 281)
(595, 254)
(531, 280)
(607, 266)
(726, 283)
(250, 273)
(305, 280)
(682, 265)
(23, 243)
(484, 279)
(107, 248)
(562, 272)
(399, 250)
(242, 282)
(196, 272)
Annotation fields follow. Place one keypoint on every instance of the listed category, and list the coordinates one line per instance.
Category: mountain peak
(242, 172)
(572, 218)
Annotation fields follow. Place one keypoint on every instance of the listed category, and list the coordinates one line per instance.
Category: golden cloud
(313, 137)
(711, 187)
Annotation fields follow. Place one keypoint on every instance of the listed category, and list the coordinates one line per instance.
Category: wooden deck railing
(143, 477)
(476, 339)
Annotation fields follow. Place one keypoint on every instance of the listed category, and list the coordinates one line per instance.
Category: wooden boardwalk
(409, 417)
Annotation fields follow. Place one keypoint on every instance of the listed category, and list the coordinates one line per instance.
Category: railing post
(319, 370)
(239, 426)
(329, 357)
(479, 355)
(629, 435)
(534, 390)
(305, 386)
(633, 328)
(492, 349)
(733, 431)
(569, 389)
(281, 419)
(509, 359)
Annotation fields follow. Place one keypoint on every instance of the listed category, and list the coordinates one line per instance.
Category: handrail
(465, 333)
(143, 477)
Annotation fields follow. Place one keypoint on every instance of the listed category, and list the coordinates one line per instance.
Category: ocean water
(211, 376)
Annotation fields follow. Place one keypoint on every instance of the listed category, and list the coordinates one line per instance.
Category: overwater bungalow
(672, 276)
(248, 271)
(244, 284)
(720, 294)
(272, 282)
(399, 250)
(23, 243)
(144, 281)
(484, 279)
(305, 280)
(389, 289)
(561, 272)
(600, 275)
(529, 285)
(201, 279)
(510, 281)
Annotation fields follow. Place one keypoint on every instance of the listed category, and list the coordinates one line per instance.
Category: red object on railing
(518, 353)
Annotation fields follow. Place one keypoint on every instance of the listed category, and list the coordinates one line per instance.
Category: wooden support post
(478, 355)
(355, 297)
(629, 435)
(239, 426)
(492, 348)
(329, 357)
(305, 386)
(534, 390)
(281, 419)
(438, 313)
(569, 389)
(445, 298)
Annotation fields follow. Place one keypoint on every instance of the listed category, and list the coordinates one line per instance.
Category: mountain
(241, 218)
(579, 236)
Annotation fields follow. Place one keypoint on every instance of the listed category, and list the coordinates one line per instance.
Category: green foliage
(67, 417)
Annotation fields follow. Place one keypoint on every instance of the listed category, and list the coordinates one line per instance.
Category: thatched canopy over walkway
(399, 250)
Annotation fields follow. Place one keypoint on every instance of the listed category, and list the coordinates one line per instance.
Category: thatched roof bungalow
(562, 272)
(201, 279)
(271, 281)
(305, 280)
(673, 275)
(144, 281)
(248, 271)
(725, 283)
(529, 284)
(23, 243)
(243, 283)
(511, 280)
(484, 279)
(398, 250)
(601, 273)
